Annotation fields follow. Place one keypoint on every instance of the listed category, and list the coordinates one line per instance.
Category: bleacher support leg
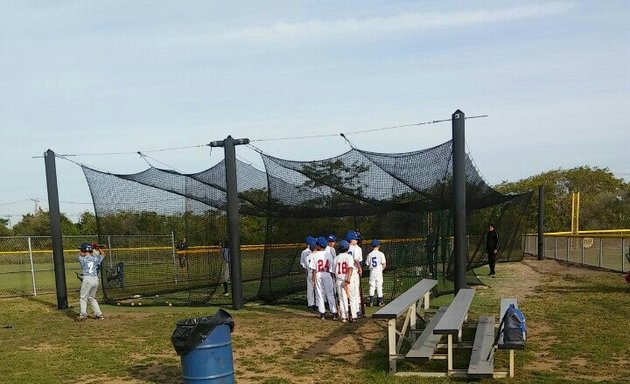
(450, 353)
(391, 339)
(413, 319)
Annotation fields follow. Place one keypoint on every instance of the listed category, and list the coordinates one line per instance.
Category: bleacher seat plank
(481, 360)
(425, 345)
(399, 305)
(453, 319)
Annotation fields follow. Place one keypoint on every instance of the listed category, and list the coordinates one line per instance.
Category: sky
(99, 81)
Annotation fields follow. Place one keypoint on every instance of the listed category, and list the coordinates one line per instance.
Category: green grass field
(578, 321)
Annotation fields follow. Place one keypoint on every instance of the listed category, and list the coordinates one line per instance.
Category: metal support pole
(232, 212)
(623, 254)
(109, 251)
(459, 199)
(30, 254)
(600, 257)
(55, 229)
(541, 222)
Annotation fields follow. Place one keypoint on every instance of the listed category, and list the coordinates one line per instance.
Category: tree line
(604, 204)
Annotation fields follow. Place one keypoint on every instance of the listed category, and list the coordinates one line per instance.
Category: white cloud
(314, 29)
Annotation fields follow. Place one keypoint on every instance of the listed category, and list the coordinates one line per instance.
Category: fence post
(109, 249)
(555, 248)
(541, 223)
(601, 251)
(30, 254)
(623, 246)
(174, 256)
(581, 242)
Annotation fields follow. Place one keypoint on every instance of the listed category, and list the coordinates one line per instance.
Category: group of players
(333, 275)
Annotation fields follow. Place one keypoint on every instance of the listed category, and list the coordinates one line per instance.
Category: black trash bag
(191, 332)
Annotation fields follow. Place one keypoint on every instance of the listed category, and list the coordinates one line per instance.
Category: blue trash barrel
(211, 361)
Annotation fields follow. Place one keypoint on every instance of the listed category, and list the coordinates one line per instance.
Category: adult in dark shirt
(225, 257)
(492, 247)
(182, 252)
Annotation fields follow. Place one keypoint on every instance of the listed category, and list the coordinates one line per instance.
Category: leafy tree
(38, 224)
(87, 224)
(4, 229)
(601, 198)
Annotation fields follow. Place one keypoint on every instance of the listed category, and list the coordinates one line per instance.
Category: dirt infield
(295, 346)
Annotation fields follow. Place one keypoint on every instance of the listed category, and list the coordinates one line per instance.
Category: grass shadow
(156, 372)
(69, 312)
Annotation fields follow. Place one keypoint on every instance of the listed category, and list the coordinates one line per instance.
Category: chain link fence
(602, 251)
(26, 262)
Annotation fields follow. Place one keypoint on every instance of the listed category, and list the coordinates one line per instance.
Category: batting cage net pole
(55, 228)
(459, 200)
(232, 212)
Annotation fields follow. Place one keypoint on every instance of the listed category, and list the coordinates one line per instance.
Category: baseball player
(343, 266)
(330, 248)
(305, 262)
(323, 278)
(357, 254)
(89, 265)
(376, 262)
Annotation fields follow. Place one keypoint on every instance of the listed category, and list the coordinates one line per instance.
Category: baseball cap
(375, 243)
(343, 245)
(321, 241)
(352, 235)
(331, 237)
(308, 239)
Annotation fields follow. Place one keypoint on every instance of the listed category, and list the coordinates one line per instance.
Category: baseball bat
(362, 303)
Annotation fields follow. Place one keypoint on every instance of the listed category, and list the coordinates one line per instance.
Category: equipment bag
(513, 326)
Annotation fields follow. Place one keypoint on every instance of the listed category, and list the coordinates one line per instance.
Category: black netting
(392, 197)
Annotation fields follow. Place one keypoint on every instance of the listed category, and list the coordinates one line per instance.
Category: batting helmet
(85, 247)
(343, 245)
(321, 241)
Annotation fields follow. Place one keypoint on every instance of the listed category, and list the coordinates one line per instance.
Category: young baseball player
(305, 262)
(330, 248)
(89, 265)
(343, 266)
(355, 288)
(323, 278)
(376, 262)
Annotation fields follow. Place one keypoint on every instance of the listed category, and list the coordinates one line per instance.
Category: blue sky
(95, 77)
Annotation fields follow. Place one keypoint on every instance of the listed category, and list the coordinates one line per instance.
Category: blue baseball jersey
(89, 264)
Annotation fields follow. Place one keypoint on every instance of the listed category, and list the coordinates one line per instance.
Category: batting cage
(403, 199)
